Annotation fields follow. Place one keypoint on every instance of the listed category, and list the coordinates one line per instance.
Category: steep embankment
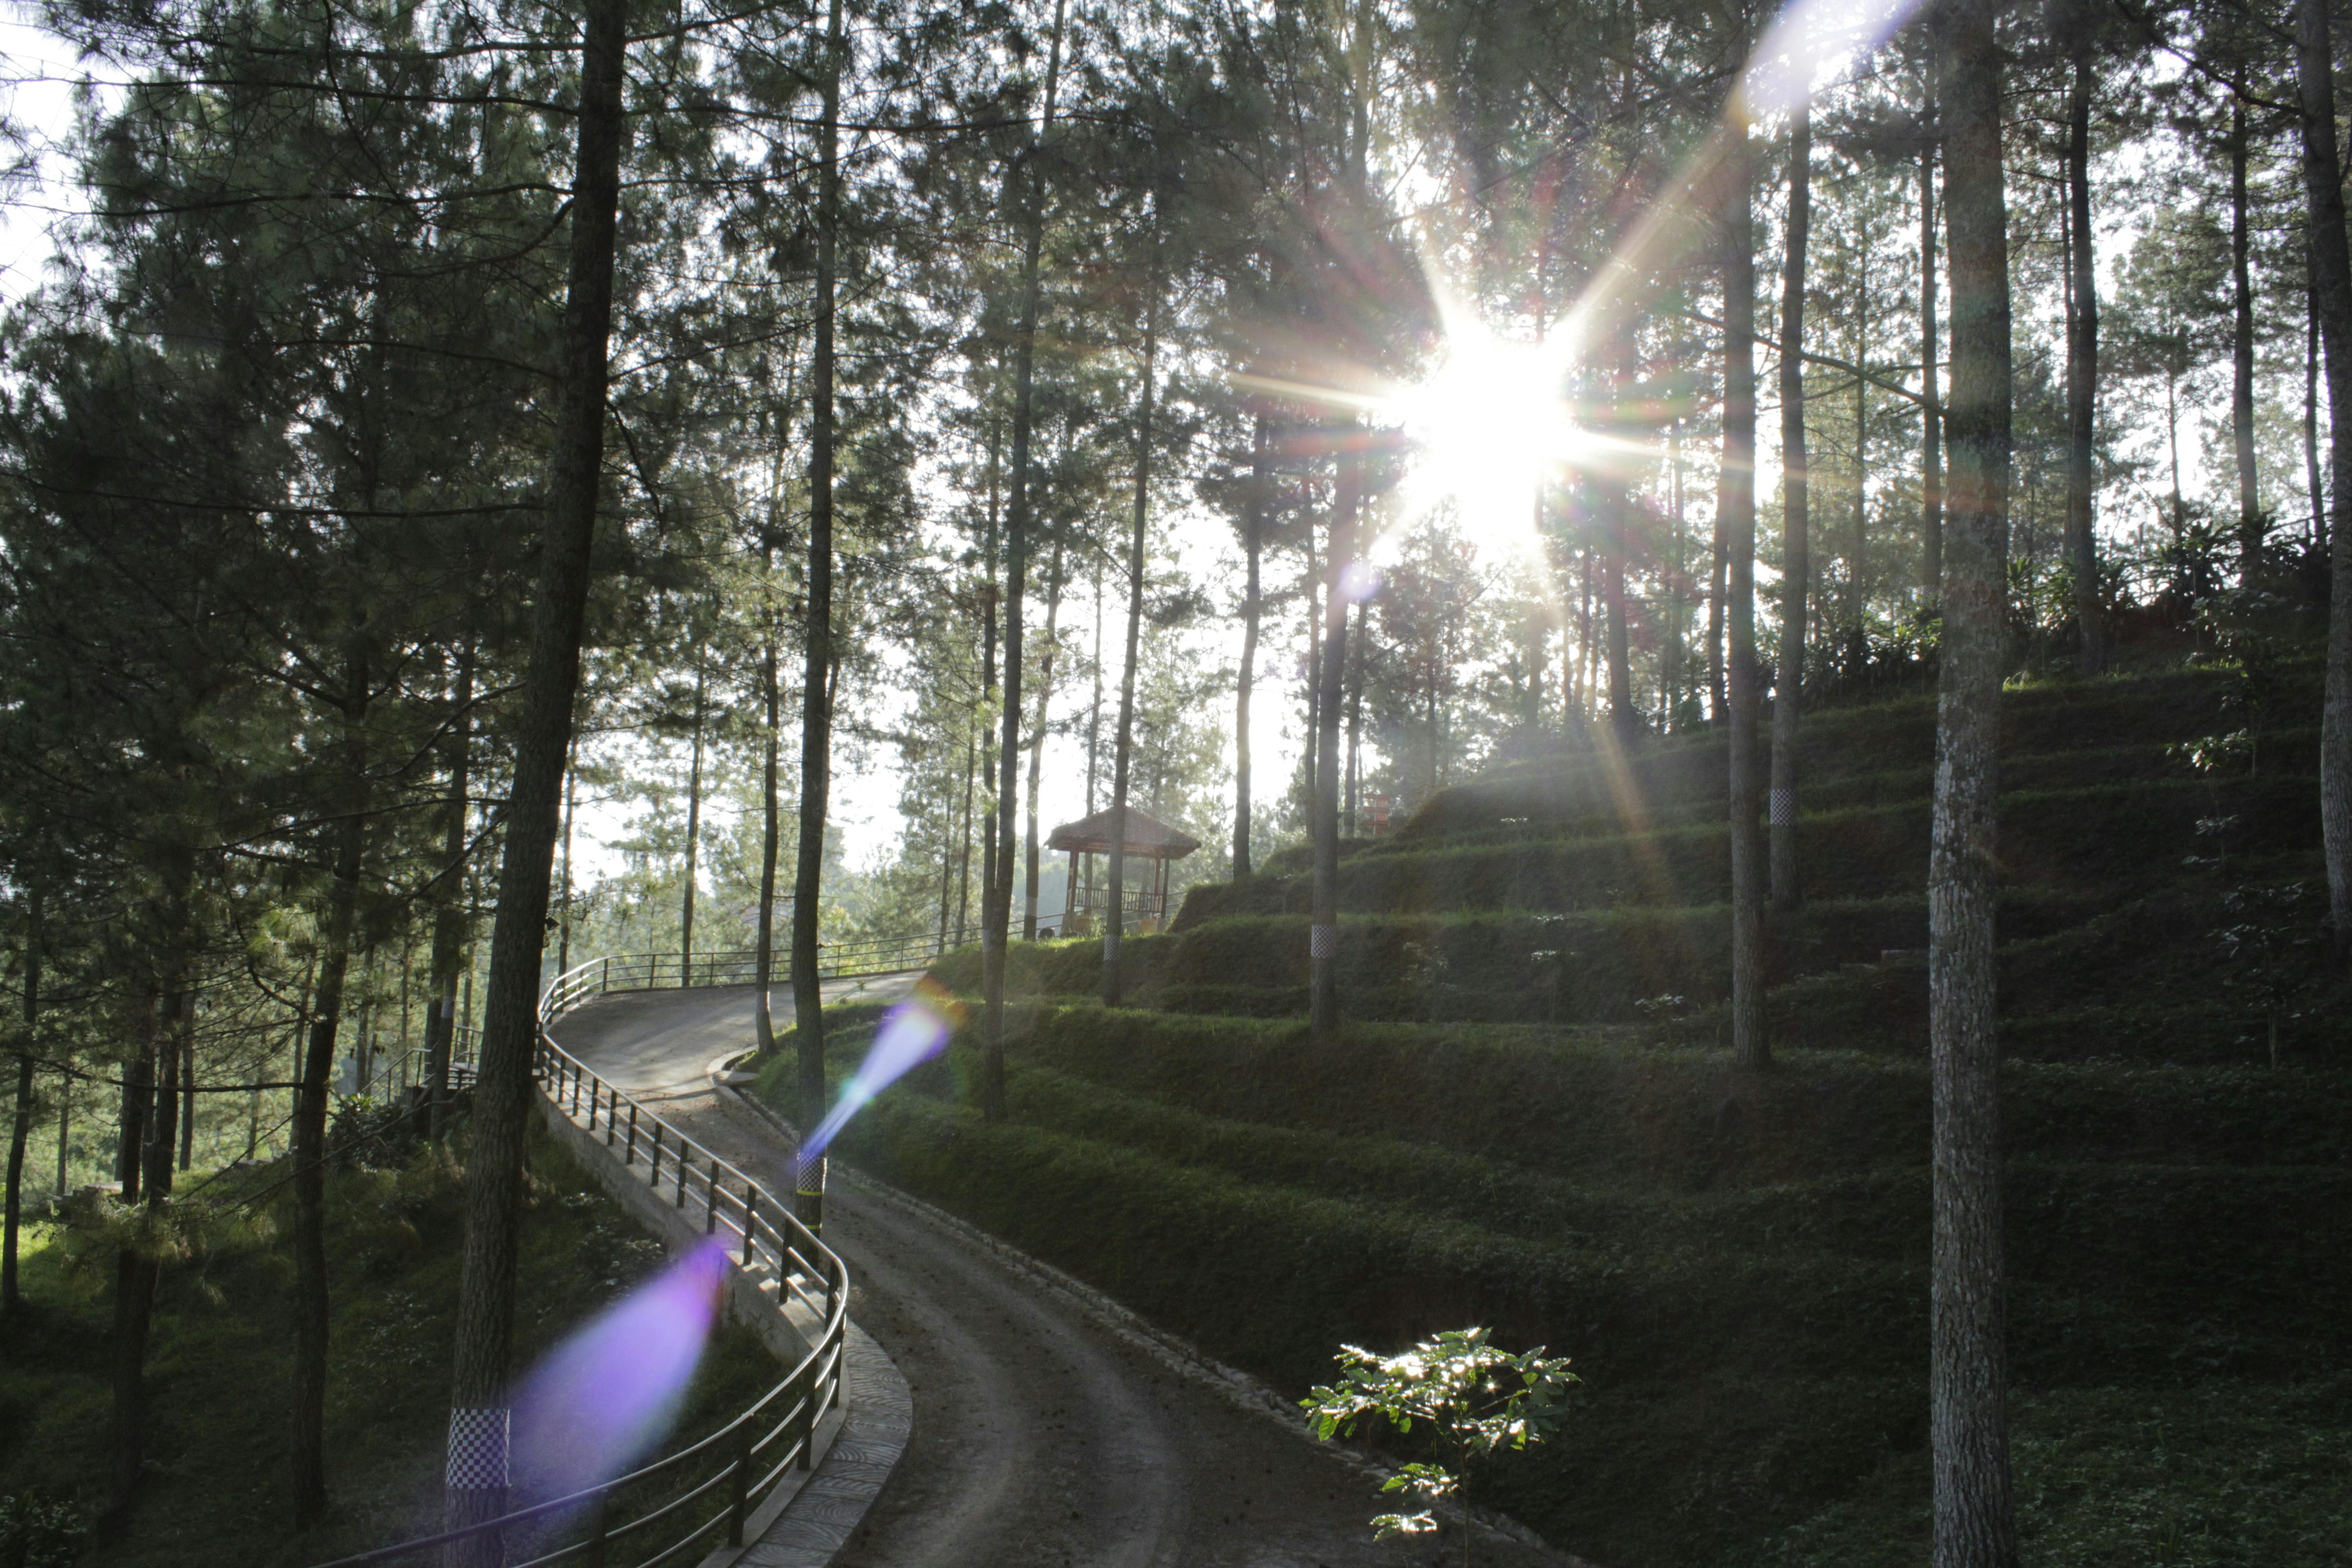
(1533, 1125)
(216, 1489)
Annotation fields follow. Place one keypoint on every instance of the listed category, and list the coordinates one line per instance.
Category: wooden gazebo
(1149, 840)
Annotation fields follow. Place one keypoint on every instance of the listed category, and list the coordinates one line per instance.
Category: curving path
(1043, 1434)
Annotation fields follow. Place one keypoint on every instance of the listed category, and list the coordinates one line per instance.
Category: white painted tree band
(1784, 807)
(1323, 942)
(477, 1450)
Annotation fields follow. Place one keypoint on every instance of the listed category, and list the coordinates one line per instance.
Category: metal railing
(675, 972)
(705, 1494)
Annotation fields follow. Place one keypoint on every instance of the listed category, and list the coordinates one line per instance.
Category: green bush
(2093, 835)
(1599, 1105)
(1595, 965)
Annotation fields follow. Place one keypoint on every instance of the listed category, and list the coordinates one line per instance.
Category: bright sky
(37, 74)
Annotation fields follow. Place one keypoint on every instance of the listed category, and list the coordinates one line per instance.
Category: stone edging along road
(811, 1514)
(1172, 1353)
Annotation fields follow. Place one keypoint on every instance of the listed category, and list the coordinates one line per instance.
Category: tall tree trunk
(1353, 820)
(963, 850)
(1329, 676)
(990, 605)
(772, 697)
(1675, 675)
(451, 917)
(996, 928)
(2241, 299)
(1857, 597)
(19, 1134)
(693, 827)
(2312, 479)
(1717, 591)
(65, 1131)
(1796, 479)
(1094, 712)
(187, 1051)
(771, 747)
(563, 895)
(2332, 275)
(307, 1450)
(1314, 659)
(1931, 408)
(1123, 746)
(476, 1473)
(816, 640)
(1736, 510)
(1974, 1524)
(1038, 743)
(137, 1269)
(1624, 718)
(1330, 672)
(1253, 608)
(2083, 375)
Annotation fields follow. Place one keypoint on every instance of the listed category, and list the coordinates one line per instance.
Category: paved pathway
(1043, 1436)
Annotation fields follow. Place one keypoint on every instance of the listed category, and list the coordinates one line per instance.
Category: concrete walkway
(1045, 1430)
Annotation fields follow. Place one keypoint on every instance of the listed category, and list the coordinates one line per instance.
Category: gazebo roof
(1147, 837)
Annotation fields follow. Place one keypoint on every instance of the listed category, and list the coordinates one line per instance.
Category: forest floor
(216, 1494)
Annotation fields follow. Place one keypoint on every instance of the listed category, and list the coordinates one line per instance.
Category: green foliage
(40, 1529)
(1475, 1397)
(222, 1342)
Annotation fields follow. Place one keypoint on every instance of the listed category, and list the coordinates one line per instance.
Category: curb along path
(1050, 1428)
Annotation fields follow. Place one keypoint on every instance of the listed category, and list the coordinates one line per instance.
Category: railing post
(597, 1544)
(711, 1200)
(738, 1486)
(751, 1211)
(808, 1413)
(652, 1177)
(629, 1155)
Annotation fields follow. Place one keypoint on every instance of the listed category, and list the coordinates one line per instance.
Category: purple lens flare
(911, 1034)
(601, 1401)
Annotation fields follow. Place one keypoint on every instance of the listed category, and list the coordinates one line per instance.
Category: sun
(1489, 425)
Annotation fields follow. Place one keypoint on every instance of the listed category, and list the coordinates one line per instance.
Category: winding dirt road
(1043, 1434)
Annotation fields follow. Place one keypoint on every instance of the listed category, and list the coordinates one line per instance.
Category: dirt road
(1043, 1436)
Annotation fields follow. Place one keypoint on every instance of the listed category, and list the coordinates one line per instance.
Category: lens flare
(600, 1401)
(911, 1034)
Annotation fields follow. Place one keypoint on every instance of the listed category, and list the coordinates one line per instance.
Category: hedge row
(1599, 1106)
(2092, 1229)
(2099, 834)
(1583, 780)
(1597, 965)
(1277, 1278)
(2291, 751)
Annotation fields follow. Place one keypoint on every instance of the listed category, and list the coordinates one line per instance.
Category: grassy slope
(1738, 1266)
(220, 1360)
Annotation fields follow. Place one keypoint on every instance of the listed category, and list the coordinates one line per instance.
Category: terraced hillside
(1531, 1122)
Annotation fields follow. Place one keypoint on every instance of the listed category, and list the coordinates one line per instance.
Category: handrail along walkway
(712, 1486)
